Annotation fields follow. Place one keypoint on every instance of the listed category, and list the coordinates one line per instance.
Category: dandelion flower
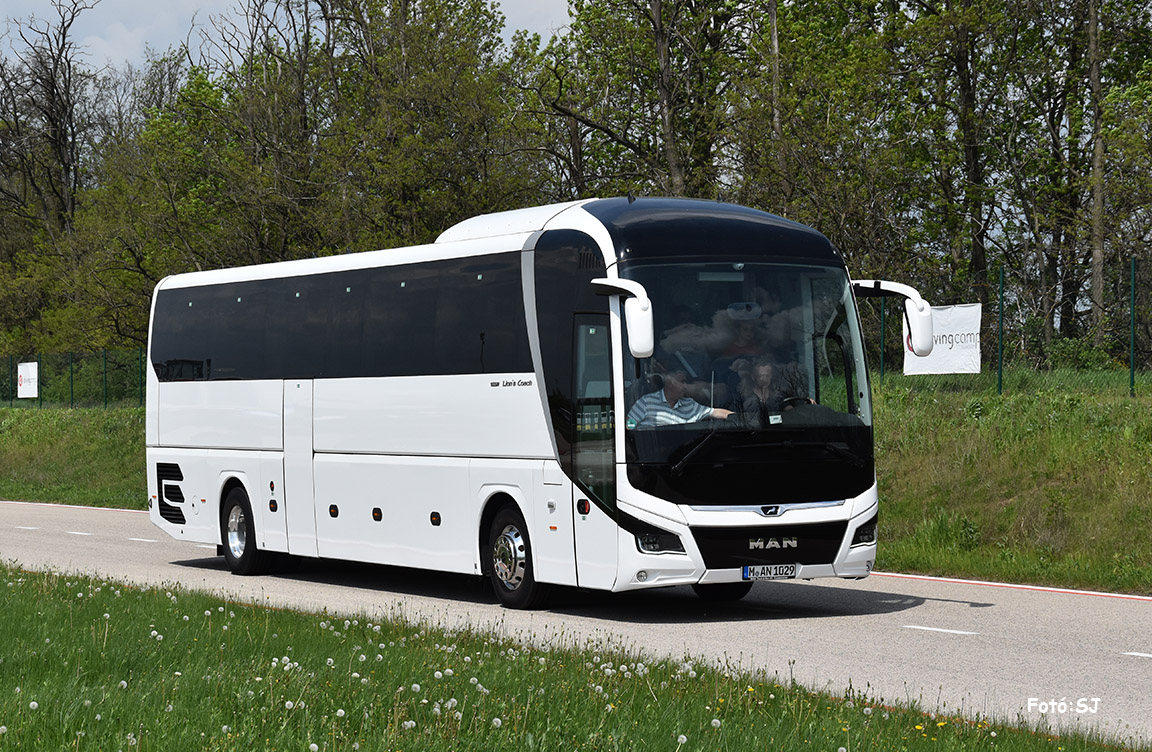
(340, 713)
(415, 687)
(681, 739)
(313, 747)
(225, 729)
(496, 722)
(438, 675)
(123, 685)
(33, 705)
(715, 723)
(289, 705)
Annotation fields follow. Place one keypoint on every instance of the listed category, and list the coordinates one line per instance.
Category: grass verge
(89, 664)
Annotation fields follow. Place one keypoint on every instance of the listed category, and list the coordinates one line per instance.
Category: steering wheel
(790, 402)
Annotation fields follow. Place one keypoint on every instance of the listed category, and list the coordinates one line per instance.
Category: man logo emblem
(755, 544)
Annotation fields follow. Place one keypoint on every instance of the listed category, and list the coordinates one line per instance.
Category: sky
(117, 31)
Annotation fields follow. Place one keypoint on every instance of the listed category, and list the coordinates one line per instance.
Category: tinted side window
(444, 317)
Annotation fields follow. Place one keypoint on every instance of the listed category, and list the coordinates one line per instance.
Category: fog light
(641, 576)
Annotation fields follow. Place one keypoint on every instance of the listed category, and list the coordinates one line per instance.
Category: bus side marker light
(377, 514)
(272, 506)
(435, 519)
(333, 511)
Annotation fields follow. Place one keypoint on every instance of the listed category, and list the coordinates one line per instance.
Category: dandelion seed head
(33, 705)
(340, 713)
(715, 723)
(681, 739)
(496, 722)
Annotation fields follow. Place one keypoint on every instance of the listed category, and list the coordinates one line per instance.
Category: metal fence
(1033, 341)
(107, 378)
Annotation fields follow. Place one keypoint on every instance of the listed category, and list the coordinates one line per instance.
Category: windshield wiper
(678, 468)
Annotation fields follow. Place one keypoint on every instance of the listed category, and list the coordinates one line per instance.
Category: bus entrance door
(593, 455)
(299, 489)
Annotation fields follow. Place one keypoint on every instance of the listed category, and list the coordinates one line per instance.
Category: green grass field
(94, 665)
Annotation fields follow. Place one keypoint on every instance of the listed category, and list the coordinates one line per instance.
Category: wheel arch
(228, 482)
(496, 500)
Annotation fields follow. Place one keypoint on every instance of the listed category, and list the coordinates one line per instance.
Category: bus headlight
(866, 533)
(659, 543)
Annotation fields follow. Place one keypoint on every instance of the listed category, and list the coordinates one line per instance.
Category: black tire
(238, 534)
(723, 591)
(509, 562)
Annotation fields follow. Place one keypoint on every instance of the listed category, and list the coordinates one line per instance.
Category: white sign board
(955, 342)
(27, 380)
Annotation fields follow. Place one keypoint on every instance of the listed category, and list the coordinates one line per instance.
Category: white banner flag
(28, 380)
(955, 342)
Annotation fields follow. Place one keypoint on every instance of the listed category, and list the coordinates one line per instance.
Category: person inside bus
(764, 391)
(671, 405)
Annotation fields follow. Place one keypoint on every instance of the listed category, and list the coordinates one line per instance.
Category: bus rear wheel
(722, 591)
(238, 532)
(510, 562)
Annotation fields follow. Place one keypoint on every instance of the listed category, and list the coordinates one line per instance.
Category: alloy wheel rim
(237, 532)
(508, 559)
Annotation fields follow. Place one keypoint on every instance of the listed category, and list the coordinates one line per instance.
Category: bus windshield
(755, 363)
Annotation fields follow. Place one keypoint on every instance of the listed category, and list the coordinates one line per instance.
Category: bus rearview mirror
(641, 331)
(637, 313)
(917, 312)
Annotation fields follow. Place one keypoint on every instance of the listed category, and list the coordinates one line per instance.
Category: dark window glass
(442, 317)
(566, 263)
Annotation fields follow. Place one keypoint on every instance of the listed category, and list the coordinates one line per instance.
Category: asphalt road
(1063, 657)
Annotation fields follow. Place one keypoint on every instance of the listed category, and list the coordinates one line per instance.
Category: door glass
(594, 456)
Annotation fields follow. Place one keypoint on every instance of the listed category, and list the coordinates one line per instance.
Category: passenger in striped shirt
(671, 406)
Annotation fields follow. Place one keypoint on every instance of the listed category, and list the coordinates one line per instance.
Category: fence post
(1132, 335)
(1000, 338)
(11, 381)
(40, 379)
(105, 379)
(71, 389)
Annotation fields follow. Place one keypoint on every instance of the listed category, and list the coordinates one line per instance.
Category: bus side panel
(477, 415)
(222, 414)
(177, 480)
(426, 515)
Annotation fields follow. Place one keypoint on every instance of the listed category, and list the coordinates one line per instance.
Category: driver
(764, 391)
(671, 405)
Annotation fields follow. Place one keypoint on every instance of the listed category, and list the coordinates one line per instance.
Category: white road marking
(1013, 586)
(1139, 655)
(143, 540)
(23, 527)
(73, 532)
(937, 629)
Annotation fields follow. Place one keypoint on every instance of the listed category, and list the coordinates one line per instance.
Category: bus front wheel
(238, 532)
(510, 562)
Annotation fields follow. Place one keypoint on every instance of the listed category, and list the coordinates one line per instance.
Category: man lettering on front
(671, 405)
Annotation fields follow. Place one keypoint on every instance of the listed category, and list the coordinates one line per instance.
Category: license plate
(770, 572)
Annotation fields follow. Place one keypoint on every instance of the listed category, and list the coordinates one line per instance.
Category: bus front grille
(734, 547)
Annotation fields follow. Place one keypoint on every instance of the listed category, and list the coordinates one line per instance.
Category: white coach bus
(610, 394)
